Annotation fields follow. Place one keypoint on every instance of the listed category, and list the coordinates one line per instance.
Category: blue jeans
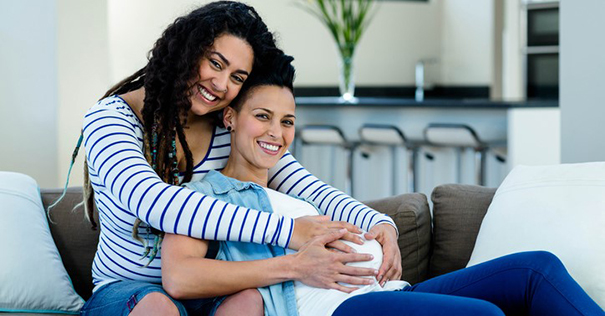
(527, 283)
(119, 298)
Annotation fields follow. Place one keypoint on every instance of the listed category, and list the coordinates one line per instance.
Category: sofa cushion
(412, 217)
(72, 233)
(32, 276)
(558, 208)
(458, 210)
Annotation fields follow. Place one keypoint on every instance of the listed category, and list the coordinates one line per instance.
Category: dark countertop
(427, 103)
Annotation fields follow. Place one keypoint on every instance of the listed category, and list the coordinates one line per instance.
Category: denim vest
(279, 299)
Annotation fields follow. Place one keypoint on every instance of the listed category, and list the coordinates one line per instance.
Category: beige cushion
(412, 217)
(457, 214)
(558, 208)
(32, 276)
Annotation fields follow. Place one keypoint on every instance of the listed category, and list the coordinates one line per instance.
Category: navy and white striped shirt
(126, 187)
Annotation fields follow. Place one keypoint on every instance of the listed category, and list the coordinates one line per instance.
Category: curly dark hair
(172, 65)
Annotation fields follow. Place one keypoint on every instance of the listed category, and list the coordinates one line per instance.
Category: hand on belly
(372, 247)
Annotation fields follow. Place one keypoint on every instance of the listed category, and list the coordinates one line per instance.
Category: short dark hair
(277, 71)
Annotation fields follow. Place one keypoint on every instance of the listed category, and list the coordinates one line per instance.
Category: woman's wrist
(288, 268)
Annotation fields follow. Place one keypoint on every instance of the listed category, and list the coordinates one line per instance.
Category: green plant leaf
(345, 19)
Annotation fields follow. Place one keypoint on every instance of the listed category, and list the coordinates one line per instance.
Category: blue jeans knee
(542, 261)
(119, 298)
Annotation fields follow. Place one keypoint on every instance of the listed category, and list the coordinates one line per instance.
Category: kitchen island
(527, 131)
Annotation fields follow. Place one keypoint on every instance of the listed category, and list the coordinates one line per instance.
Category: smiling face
(263, 129)
(222, 71)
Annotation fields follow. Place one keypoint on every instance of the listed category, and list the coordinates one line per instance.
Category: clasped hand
(318, 266)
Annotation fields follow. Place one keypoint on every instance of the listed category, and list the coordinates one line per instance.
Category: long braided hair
(172, 65)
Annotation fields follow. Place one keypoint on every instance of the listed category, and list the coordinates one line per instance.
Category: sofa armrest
(458, 211)
(413, 219)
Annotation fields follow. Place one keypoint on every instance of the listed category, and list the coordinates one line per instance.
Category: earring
(229, 128)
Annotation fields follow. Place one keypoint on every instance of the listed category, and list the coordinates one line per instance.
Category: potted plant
(346, 20)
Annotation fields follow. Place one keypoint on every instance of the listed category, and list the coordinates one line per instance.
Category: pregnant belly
(316, 302)
(370, 247)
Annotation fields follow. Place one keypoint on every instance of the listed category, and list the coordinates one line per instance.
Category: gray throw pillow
(72, 233)
(412, 217)
(458, 211)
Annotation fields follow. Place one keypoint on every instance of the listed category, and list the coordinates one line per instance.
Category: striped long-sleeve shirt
(126, 187)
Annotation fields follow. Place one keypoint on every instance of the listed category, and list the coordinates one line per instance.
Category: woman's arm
(186, 274)
(121, 175)
(290, 177)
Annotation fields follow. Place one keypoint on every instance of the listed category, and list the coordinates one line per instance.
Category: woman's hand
(386, 235)
(317, 266)
(309, 227)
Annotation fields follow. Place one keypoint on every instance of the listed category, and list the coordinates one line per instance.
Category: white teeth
(269, 147)
(206, 94)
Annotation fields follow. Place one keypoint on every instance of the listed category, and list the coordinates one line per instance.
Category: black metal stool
(330, 135)
(389, 135)
(461, 136)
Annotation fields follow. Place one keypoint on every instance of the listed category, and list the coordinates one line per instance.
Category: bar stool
(460, 136)
(389, 135)
(330, 135)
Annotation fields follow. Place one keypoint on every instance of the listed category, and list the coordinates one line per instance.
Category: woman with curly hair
(157, 129)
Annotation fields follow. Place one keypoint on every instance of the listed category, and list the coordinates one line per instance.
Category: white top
(125, 187)
(314, 301)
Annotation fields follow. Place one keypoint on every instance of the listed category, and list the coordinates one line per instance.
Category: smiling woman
(221, 74)
(158, 129)
(265, 125)
(261, 126)
(528, 283)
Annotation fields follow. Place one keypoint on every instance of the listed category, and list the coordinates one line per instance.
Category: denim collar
(222, 184)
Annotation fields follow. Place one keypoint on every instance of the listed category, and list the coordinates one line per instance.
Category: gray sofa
(431, 243)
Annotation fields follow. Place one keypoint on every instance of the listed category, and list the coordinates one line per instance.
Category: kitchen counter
(427, 103)
(488, 118)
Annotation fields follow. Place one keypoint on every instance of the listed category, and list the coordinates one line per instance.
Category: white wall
(133, 26)
(512, 55)
(83, 75)
(54, 67)
(534, 137)
(401, 33)
(467, 42)
(28, 92)
(582, 65)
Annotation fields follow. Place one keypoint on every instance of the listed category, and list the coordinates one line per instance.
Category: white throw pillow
(32, 276)
(558, 208)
